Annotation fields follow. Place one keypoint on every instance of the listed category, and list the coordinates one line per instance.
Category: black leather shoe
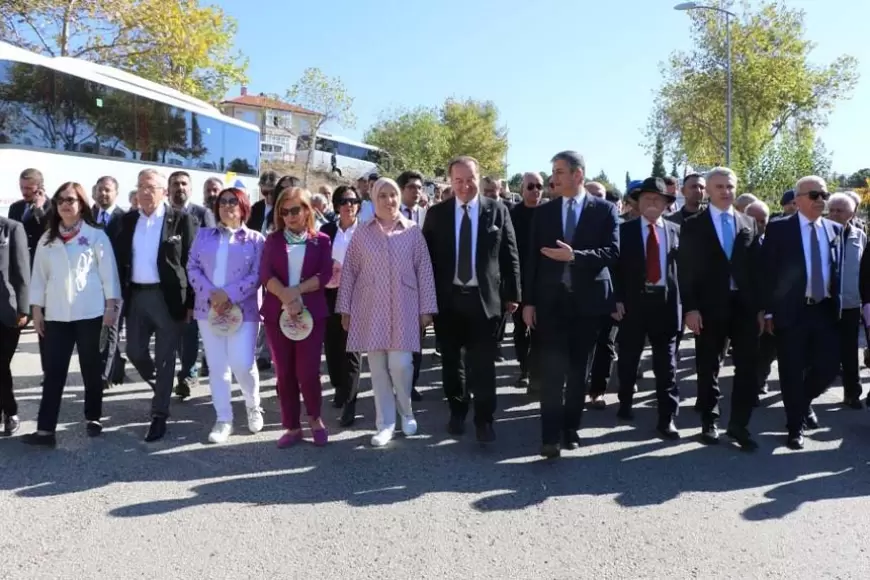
(415, 395)
(795, 441)
(456, 426)
(485, 433)
(157, 430)
(94, 428)
(348, 414)
(40, 439)
(812, 420)
(710, 434)
(668, 431)
(743, 438)
(570, 440)
(853, 403)
(11, 425)
(337, 403)
(182, 389)
(625, 414)
(550, 451)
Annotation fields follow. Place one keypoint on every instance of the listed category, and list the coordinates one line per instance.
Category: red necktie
(653, 266)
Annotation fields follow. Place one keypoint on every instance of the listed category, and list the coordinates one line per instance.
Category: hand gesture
(217, 298)
(694, 322)
(38, 322)
(511, 307)
(562, 253)
(530, 318)
(619, 314)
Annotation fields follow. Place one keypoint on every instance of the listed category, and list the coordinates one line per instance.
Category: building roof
(263, 102)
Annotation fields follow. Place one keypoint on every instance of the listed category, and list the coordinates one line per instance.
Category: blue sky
(565, 74)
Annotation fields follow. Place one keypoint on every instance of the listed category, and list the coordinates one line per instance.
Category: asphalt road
(625, 505)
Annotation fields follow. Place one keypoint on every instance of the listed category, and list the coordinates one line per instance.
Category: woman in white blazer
(74, 292)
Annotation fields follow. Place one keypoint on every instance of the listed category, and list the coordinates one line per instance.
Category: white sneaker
(382, 438)
(255, 420)
(409, 426)
(221, 432)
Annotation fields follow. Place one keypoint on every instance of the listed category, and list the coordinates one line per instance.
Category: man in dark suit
(261, 210)
(180, 188)
(105, 209)
(14, 312)
(694, 187)
(719, 266)
(33, 210)
(477, 278)
(568, 289)
(802, 303)
(151, 249)
(648, 302)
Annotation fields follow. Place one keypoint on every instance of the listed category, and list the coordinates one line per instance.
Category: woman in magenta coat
(295, 268)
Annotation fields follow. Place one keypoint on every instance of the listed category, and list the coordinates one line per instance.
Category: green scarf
(295, 239)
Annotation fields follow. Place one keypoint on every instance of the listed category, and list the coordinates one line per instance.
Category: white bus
(77, 121)
(353, 159)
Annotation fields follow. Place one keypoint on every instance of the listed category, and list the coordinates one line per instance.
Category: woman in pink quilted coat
(387, 293)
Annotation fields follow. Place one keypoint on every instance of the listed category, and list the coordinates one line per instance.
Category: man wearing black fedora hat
(648, 302)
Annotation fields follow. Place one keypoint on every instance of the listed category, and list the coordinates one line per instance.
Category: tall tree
(658, 166)
(775, 86)
(415, 139)
(627, 180)
(516, 182)
(858, 179)
(791, 156)
(328, 97)
(473, 129)
(177, 43)
(605, 181)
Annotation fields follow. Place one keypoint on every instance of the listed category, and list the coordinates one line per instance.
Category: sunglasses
(817, 195)
(534, 186)
(349, 201)
(228, 201)
(66, 200)
(294, 211)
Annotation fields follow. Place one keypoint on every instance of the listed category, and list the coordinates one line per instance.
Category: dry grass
(315, 178)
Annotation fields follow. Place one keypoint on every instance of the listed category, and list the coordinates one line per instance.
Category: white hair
(843, 197)
(318, 197)
(721, 171)
(528, 174)
(156, 174)
(757, 204)
(745, 199)
(855, 197)
(217, 180)
(808, 179)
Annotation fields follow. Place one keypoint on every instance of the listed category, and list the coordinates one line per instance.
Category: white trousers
(392, 375)
(228, 356)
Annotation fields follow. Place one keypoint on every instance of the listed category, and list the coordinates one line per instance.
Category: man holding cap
(648, 302)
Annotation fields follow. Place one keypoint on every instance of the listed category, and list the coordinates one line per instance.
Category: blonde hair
(304, 199)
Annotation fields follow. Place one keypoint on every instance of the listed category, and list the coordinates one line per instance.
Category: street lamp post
(728, 15)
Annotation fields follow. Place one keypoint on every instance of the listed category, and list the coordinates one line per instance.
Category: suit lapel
(587, 201)
(484, 220)
(451, 235)
(711, 228)
(168, 229)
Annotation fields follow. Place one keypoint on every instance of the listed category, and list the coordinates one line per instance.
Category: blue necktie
(727, 235)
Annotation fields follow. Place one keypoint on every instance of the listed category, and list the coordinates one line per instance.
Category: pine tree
(627, 180)
(658, 168)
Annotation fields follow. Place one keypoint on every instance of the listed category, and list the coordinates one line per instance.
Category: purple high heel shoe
(289, 439)
(320, 436)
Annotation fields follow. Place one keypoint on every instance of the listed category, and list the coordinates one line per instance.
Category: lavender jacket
(243, 270)
(317, 262)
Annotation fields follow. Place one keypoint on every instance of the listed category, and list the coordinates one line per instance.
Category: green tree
(658, 166)
(473, 129)
(328, 97)
(605, 181)
(415, 139)
(858, 179)
(627, 180)
(516, 182)
(176, 43)
(776, 88)
(791, 156)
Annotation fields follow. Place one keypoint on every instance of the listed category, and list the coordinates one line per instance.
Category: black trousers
(565, 340)
(850, 326)
(60, 339)
(735, 321)
(8, 343)
(468, 347)
(523, 338)
(110, 357)
(343, 367)
(809, 357)
(766, 356)
(417, 360)
(602, 358)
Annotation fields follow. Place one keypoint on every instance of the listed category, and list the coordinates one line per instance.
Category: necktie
(817, 277)
(26, 214)
(463, 266)
(104, 217)
(653, 265)
(727, 234)
(408, 213)
(570, 226)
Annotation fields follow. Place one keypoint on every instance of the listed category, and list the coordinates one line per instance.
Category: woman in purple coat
(295, 268)
(224, 271)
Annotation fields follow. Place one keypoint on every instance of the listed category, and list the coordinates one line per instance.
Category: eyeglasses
(228, 201)
(66, 200)
(294, 211)
(348, 201)
(533, 186)
(817, 195)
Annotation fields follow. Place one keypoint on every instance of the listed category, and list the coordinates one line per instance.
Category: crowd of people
(365, 270)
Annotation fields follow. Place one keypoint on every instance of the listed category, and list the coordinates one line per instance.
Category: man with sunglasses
(802, 302)
(521, 216)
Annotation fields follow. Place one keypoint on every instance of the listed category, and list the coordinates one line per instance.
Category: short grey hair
(151, 172)
(722, 172)
(217, 180)
(855, 197)
(534, 174)
(132, 195)
(574, 160)
(844, 197)
(808, 179)
(758, 204)
(318, 198)
(745, 199)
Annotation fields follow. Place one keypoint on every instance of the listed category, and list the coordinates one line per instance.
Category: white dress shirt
(146, 244)
(663, 244)
(295, 258)
(267, 218)
(474, 216)
(227, 237)
(824, 249)
(416, 214)
(342, 241)
(366, 211)
(578, 208)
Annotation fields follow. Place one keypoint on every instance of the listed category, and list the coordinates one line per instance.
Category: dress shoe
(40, 439)
(795, 441)
(320, 437)
(598, 403)
(523, 381)
(264, 364)
(625, 414)
(550, 451)
(485, 433)
(710, 434)
(348, 414)
(668, 431)
(94, 428)
(570, 440)
(764, 389)
(337, 403)
(203, 371)
(456, 426)
(811, 421)
(415, 395)
(853, 403)
(11, 424)
(157, 430)
(184, 386)
(743, 438)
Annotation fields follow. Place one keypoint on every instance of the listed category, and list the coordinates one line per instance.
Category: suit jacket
(34, 225)
(176, 238)
(116, 213)
(274, 264)
(521, 218)
(14, 272)
(258, 211)
(596, 250)
(629, 274)
(679, 216)
(705, 270)
(785, 273)
(497, 259)
(201, 217)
